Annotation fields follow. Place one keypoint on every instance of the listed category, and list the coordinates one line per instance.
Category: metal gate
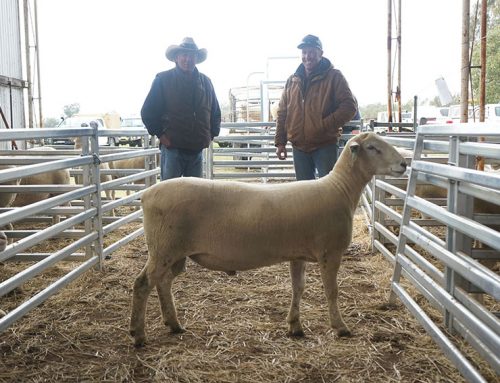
(443, 271)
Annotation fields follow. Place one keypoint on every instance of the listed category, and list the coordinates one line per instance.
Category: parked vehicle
(382, 117)
(427, 115)
(454, 114)
(131, 122)
(491, 113)
(78, 121)
(405, 117)
(353, 127)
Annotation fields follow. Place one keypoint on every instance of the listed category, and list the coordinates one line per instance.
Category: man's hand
(165, 141)
(281, 152)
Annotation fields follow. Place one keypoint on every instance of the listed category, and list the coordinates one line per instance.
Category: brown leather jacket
(311, 112)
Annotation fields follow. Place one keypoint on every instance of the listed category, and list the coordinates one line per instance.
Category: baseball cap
(310, 41)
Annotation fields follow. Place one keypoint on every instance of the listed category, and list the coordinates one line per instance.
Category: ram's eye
(371, 147)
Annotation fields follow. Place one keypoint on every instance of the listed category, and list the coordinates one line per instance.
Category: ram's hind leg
(164, 288)
(143, 285)
(297, 274)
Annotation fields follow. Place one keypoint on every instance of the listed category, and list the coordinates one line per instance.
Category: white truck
(103, 121)
(134, 122)
(383, 117)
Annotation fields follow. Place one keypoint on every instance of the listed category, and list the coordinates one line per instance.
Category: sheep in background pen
(422, 190)
(6, 199)
(110, 194)
(3, 241)
(432, 191)
(429, 191)
(56, 177)
(129, 163)
(484, 207)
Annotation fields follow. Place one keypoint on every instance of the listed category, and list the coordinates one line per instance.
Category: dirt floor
(236, 328)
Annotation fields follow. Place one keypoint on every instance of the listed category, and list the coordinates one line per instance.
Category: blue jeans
(180, 163)
(321, 160)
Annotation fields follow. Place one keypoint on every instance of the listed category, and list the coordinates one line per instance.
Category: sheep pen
(236, 330)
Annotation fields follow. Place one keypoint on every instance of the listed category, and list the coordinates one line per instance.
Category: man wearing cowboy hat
(182, 110)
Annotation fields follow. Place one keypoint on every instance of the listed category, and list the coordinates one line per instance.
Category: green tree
(407, 106)
(369, 112)
(492, 54)
(51, 122)
(71, 109)
(436, 101)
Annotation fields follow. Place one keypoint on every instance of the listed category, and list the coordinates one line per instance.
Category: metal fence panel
(440, 264)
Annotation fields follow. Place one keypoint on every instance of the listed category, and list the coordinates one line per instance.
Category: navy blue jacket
(184, 108)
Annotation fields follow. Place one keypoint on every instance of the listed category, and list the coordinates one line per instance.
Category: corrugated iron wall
(11, 67)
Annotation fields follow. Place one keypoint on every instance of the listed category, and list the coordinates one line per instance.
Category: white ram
(6, 200)
(56, 177)
(3, 241)
(110, 194)
(138, 163)
(129, 163)
(429, 191)
(231, 226)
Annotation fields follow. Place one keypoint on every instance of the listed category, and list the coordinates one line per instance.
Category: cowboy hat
(187, 45)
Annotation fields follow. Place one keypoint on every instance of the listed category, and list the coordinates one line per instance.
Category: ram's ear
(354, 150)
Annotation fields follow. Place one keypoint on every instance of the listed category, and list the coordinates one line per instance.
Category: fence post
(209, 158)
(375, 213)
(86, 181)
(149, 161)
(96, 197)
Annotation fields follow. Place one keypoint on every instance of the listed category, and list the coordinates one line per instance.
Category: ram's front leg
(297, 274)
(329, 267)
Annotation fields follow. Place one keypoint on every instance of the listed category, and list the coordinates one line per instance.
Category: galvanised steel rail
(88, 209)
(443, 268)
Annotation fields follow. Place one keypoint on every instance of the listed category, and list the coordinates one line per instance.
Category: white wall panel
(11, 65)
(10, 39)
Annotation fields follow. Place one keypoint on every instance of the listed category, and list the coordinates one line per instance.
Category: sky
(104, 54)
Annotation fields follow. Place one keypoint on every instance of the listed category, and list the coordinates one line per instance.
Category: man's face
(311, 57)
(186, 61)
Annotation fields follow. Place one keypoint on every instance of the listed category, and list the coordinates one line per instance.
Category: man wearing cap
(182, 110)
(315, 104)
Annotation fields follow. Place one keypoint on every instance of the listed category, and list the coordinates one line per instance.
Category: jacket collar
(323, 66)
(181, 73)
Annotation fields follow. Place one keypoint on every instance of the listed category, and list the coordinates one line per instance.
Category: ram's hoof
(344, 332)
(177, 330)
(139, 343)
(296, 332)
(139, 339)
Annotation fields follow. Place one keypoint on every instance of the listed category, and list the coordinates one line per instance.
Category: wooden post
(37, 51)
(482, 85)
(399, 63)
(28, 63)
(464, 92)
(389, 53)
(482, 82)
